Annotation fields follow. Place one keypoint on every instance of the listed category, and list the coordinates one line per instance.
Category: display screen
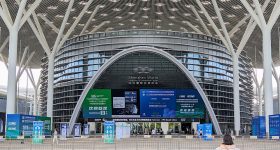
(143, 103)
(125, 104)
(157, 103)
(98, 104)
(189, 104)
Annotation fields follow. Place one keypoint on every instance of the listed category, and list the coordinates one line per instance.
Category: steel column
(267, 62)
(236, 94)
(12, 74)
(50, 86)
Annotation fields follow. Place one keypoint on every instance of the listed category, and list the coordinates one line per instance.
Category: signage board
(122, 130)
(205, 131)
(157, 103)
(143, 103)
(47, 131)
(26, 124)
(200, 130)
(13, 126)
(125, 104)
(259, 128)
(18, 124)
(148, 120)
(77, 130)
(274, 125)
(109, 132)
(63, 130)
(38, 129)
(98, 104)
(86, 129)
(189, 104)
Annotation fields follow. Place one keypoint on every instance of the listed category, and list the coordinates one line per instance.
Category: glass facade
(23, 107)
(205, 57)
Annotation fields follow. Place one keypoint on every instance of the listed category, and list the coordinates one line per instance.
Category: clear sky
(36, 73)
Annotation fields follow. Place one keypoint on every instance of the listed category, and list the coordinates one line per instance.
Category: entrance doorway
(186, 128)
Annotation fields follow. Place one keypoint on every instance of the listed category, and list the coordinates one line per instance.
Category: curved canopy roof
(111, 15)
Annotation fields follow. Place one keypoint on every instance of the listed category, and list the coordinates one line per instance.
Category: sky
(22, 80)
(36, 73)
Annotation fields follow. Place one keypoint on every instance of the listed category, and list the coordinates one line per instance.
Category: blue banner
(262, 133)
(27, 124)
(207, 132)
(200, 129)
(18, 125)
(274, 125)
(157, 103)
(258, 125)
(109, 132)
(13, 126)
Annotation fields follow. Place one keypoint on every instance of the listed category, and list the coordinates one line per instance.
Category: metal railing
(140, 143)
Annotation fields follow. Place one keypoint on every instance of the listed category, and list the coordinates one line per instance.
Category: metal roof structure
(111, 15)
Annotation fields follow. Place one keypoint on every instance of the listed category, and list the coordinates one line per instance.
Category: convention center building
(185, 76)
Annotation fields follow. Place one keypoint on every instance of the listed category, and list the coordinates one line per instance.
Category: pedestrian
(192, 131)
(22, 137)
(227, 144)
(200, 133)
(55, 136)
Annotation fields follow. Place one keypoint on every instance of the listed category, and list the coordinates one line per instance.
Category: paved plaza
(140, 144)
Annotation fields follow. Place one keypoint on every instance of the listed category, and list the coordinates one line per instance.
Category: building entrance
(153, 128)
(151, 94)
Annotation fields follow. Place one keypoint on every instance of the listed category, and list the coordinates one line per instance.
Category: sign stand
(205, 131)
(109, 132)
(86, 130)
(77, 130)
(63, 131)
(38, 127)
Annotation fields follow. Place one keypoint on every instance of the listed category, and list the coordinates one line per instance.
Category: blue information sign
(13, 126)
(200, 128)
(274, 125)
(18, 124)
(259, 128)
(157, 103)
(38, 127)
(27, 124)
(205, 131)
(109, 131)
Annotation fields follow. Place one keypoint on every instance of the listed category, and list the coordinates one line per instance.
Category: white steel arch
(125, 52)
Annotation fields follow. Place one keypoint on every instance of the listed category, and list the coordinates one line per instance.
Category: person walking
(55, 136)
(227, 144)
(22, 137)
(200, 133)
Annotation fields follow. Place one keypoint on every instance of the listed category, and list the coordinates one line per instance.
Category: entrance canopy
(110, 15)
